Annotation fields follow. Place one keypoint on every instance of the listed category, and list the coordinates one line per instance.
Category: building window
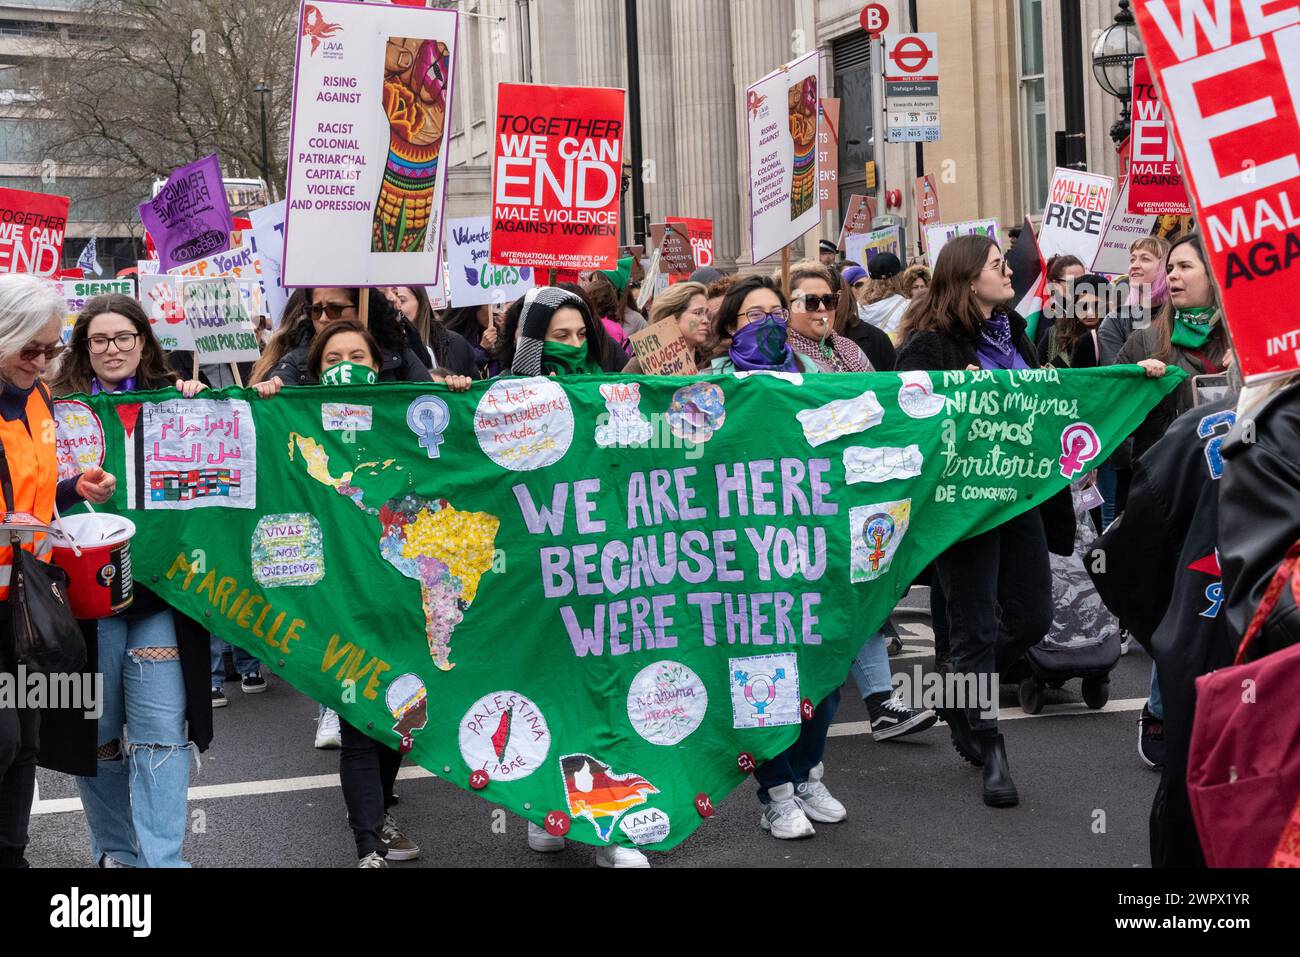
(1033, 106)
(851, 56)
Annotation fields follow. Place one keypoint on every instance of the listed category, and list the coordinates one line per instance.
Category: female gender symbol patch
(1080, 445)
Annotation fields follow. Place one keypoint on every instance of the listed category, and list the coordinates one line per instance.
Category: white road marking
(213, 792)
(1071, 710)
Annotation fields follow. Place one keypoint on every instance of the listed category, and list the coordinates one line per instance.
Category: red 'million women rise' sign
(558, 177)
(1229, 77)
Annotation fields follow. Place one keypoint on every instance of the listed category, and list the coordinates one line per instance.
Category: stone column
(658, 109)
(706, 107)
(602, 47)
(763, 38)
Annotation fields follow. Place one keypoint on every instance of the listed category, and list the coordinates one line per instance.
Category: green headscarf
(622, 277)
(559, 359)
(1193, 327)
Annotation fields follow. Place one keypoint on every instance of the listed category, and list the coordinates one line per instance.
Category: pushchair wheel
(1096, 692)
(1031, 696)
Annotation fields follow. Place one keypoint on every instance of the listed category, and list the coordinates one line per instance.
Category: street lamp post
(261, 90)
(1112, 64)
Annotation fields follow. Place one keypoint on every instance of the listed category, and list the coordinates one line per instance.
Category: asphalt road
(266, 798)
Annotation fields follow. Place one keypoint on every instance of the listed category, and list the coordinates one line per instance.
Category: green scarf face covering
(559, 359)
(1193, 327)
(348, 373)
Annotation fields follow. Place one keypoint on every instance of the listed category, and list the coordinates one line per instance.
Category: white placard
(474, 280)
(369, 147)
(1075, 216)
(781, 114)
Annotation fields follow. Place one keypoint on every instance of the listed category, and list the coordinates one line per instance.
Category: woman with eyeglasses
(687, 303)
(134, 774)
(997, 586)
(751, 331)
(310, 310)
(31, 327)
(814, 304)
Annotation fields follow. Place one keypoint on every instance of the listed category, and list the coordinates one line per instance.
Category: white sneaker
(784, 817)
(542, 841)
(816, 801)
(372, 861)
(328, 735)
(616, 856)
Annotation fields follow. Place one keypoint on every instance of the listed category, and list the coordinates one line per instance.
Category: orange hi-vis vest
(34, 471)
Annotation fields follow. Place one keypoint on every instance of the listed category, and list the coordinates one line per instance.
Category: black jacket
(398, 362)
(875, 345)
(69, 739)
(1259, 518)
(935, 352)
(1156, 570)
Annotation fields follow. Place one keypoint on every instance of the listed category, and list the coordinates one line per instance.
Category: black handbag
(46, 636)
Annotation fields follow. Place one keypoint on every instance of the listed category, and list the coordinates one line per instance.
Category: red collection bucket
(95, 551)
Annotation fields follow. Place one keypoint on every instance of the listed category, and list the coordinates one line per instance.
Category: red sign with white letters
(1155, 179)
(1229, 77)
(557, 178)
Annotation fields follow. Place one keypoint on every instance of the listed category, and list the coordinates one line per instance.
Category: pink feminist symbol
(1080, 444)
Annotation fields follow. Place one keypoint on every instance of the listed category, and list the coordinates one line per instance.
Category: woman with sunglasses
(31, 326)
(997, 586)
(752, 331)
(813, 307)
(310, 310)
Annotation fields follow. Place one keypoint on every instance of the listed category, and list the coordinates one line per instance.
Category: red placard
(32, 229)
(700, 232)
(828, 153)
(1155, 181)
(1229, 77)
(557, 178)
(927, 201)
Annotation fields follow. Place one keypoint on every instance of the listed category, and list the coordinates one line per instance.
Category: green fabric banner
(596, 601)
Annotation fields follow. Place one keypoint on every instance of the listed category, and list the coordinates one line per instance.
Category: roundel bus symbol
(875, 19)
(911, 55)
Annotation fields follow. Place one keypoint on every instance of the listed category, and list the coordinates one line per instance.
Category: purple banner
(189, 219)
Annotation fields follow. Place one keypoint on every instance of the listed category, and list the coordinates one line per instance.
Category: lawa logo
(756, 102)
(75, 910)
(317, 29)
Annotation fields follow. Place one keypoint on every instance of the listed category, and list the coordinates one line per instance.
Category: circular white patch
(504, 734)
(666, 702)
(524, 424)
(917, 397)
(647, 825)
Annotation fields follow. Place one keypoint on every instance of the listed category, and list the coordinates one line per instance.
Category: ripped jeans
(136, 805)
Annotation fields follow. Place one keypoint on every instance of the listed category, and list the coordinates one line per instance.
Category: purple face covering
(763, 347)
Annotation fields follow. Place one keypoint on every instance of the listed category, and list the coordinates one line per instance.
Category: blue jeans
(792, 765)
(870, 669)
(136, 804)
(1108, 486)
(245, 663)
(1156, 702)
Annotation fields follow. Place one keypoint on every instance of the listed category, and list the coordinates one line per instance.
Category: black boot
(963, 738)
(999, 789)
